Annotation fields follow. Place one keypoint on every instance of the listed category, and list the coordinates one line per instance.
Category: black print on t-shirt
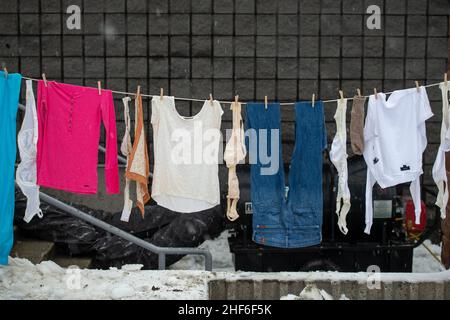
(375, 160)
(405, 168)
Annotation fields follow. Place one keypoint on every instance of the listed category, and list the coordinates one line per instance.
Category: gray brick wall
(286, 49)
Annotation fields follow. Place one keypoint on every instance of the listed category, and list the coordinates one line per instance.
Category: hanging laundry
(26, 170)
(394, 141)
(338, 156)
(234, 153)
(185, 176)
(445, 224)
(69, 132)
(137, 159)
(357, 125)
(438, 172)
(293, 218)
(9, 102)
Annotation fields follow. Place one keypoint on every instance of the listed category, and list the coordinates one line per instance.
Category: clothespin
(161, 93)
(138, 91)
(45, 79)
(6, 72)
(265, 102)
(359, 92)
(417, 86)
(445, 79)
(375, 93)
(341, 94)
(313, 99)
(99, 84)
(211, 100)
(236, 100)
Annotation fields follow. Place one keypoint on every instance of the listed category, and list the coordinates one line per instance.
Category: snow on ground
(311, 292)
(423, 261)
(24, 280)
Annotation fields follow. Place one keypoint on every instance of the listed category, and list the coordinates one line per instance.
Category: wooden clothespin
(417, 86)
(265, 102)
(236, 100)
(138, 91)
(313, 100)
(161, 93)
(375, 93)
(359, 92)
(45, 79)
(211, 100)
(341, 94)
(99, 84)
(445, 79)
(6, 72)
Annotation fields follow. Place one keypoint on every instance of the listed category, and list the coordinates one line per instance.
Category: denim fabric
(290, 219)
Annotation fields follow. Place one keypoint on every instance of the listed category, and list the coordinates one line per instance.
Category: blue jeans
(286, 217)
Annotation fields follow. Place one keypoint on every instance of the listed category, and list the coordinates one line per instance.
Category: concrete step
(80, 262)
(34, 250)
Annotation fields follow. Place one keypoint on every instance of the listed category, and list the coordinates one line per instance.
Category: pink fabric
(69, 132)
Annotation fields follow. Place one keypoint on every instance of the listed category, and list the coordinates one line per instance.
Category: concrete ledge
(355, 286)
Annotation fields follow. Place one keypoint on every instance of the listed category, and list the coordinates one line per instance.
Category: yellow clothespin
(45, 79)
(211, 100)
(375, 93)
(341, 94)
(417, 86)
(6, 72)
(161, 93)
(265, 102)
(99, 85)
(313, 99)
(359, 92)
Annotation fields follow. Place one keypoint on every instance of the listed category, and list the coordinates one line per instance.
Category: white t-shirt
(394, 140)
(186, 153)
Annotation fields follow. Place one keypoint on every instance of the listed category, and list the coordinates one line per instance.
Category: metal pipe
(161, 251)
(161, 261)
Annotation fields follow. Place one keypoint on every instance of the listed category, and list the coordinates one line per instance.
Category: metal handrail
(160, 251)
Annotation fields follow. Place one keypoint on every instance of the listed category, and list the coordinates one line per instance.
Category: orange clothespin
(313, 100)
(265, 102)
(375, 93)
(359, 92)
(99, 85)
(417, 86)
(45, 79)
(211, 100)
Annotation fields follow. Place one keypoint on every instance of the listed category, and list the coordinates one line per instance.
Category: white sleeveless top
(186, 153)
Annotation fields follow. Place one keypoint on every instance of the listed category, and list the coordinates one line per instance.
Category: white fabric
(186, 151)
(26, 170)
(439, 172)
(394, 141)
(126, 148)
(338, 156)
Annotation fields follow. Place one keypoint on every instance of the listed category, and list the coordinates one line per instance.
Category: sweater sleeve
(111, 162)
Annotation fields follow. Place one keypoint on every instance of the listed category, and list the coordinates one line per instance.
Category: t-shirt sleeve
(424, 108)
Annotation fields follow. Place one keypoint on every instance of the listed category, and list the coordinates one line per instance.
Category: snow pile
(311, 292)
(220, 250)
(423, 261)
(24, 280)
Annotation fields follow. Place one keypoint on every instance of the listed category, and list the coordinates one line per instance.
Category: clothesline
(229, 102)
